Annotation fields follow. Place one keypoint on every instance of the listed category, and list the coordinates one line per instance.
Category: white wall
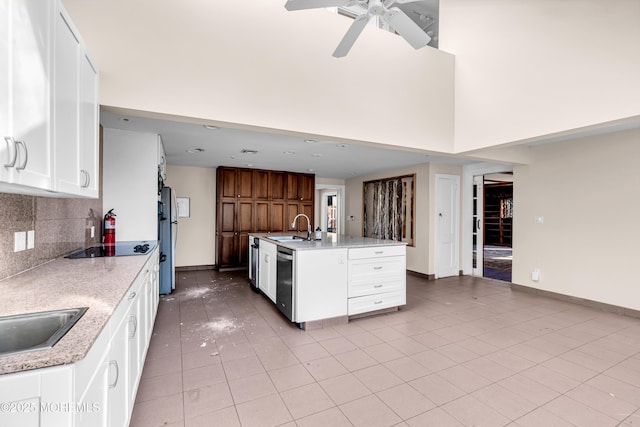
(588, 192)
(196, 234)
(130, 183)
(534, 67)
(251, 63)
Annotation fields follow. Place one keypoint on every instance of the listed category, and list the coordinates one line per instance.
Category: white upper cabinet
(25, 125)
(75, 124)
(48, 103)
(162, 160)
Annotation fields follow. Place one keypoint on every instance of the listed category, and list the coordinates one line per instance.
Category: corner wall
(196, 234)
(588, 191)
(529, 68)
(417, 255)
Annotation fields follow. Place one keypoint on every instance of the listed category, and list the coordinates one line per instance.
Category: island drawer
(371, 287)
(376, 302)
(376, 269)
(377, 252)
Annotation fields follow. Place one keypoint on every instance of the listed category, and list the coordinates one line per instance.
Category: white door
(478, 218)
(447, 225)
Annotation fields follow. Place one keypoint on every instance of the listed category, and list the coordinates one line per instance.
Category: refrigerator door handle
(163, 257)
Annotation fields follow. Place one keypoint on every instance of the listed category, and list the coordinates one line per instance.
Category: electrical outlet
(539, 220)
(93, 231)
(31, 239)
(20, 241)
(535, 275)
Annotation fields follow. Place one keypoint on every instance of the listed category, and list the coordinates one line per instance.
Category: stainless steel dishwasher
(255, 263)
(284, 282)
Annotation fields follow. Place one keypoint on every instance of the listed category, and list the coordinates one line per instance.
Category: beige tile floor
(463, 352)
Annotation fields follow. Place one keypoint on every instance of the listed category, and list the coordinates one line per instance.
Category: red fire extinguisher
(109, 233)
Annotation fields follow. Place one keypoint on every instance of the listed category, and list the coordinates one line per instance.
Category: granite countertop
(328, 241)
(97, 283)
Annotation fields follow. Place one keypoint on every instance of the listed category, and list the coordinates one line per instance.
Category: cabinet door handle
(114, 363)
(11, 159)
(87, 179)
(378, 302)
(377, 268)
(133, 322)
(131, 296)
(26, 155)
(378, 252)
(377, 286)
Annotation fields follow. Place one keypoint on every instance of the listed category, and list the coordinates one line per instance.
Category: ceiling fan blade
(408, 29)
(351, 36)
(314, 4)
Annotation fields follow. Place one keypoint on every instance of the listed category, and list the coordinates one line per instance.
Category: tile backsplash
(60, 225)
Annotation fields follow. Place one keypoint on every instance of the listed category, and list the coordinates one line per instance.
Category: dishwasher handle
(283, 255)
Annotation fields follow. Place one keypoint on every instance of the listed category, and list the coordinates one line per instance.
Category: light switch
(535, 275)
(31, 239)
(93, 231)
(20, 241)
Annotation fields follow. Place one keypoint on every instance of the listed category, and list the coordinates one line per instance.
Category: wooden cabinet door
(292, 186)
(278, 217)
(227, 253)
(306, 209)
(261, 185)
(306, 187)
(245, 217)
(277, 185)
(227, 217)
(227, 183)
(262, 218)
(243, 249)
(245, 183)
(292, 211)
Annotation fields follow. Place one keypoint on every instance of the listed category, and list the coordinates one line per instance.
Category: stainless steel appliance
(121, 249)
(168, 229)
(255, 263)
(284, 281)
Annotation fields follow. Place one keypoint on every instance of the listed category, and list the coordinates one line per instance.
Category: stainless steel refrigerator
(168, 235)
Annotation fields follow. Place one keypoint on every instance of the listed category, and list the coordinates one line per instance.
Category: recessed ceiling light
(210, 127)
(288, 153)
(310, 141)
(195, 150)
(317, 155)
(310, 170)
(248, 164)
(232, 157)
(343, 145)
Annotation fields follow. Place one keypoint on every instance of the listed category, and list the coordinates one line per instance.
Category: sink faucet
(293, 224)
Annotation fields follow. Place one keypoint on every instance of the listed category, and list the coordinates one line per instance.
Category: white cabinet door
(162, 160)
(268, 260)
(89, 129)
(75, 112)
(20, 395)
(25, 125)
(118, 377)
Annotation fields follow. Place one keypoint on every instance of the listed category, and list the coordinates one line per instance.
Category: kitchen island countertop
(328, 241)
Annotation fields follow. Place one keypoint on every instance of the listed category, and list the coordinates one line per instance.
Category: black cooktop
(121, 249)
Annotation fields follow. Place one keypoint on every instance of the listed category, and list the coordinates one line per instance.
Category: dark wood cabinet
(257, 201)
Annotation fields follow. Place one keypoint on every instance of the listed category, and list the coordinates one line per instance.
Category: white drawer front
(376, 269)
(377, 252)
(376, 302)
(361, 288)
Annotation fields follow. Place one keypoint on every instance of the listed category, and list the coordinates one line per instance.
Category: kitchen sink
(286, 238)
(35, 331)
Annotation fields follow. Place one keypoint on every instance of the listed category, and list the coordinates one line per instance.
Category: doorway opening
(493, 226)
(329, 208)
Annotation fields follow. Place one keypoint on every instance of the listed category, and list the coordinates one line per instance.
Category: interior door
(478, 218)
(447, 225)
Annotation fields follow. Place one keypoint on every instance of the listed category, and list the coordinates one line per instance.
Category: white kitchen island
(335, 278)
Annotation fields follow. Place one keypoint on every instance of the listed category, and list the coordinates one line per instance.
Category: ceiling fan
(393, 16)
